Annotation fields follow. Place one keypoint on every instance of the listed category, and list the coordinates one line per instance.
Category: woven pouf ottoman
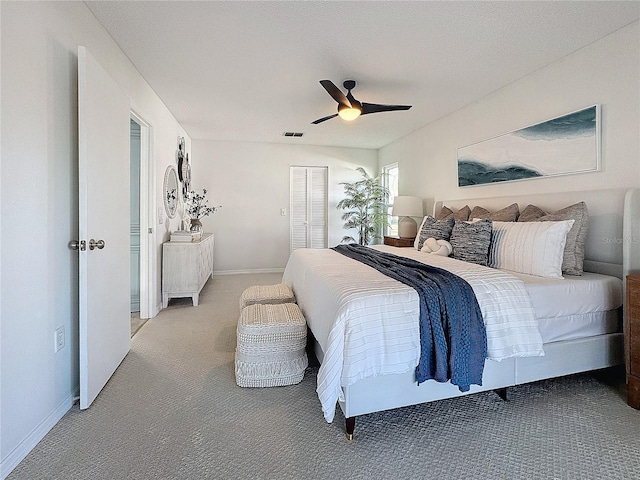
(272, 294)
(271, 345)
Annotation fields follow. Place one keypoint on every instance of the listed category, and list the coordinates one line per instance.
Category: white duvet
(367, 323)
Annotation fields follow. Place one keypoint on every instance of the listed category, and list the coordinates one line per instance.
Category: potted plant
(196, 206)
(366, 204)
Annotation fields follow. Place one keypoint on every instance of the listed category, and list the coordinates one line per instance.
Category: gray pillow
(573, 257)
(471, 241)
(506, 214)
(432, 228)
(531, 213)
(479, 212)
(446, 212)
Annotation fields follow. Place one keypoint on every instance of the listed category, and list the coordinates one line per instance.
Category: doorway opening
(134, 224)
(141, 225)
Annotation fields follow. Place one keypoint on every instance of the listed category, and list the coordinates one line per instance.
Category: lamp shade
(407, 206)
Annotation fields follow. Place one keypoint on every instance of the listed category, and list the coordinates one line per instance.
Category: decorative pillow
(534, 248)
(432, 228)
(471, 240)
(531, 213)
(573, 257)
(507, 214)
(462, 214)
(437, 247)
(479, 212)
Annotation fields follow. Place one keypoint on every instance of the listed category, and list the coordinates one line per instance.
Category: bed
(366, 329)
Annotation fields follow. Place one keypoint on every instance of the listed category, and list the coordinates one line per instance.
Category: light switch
(160, 216)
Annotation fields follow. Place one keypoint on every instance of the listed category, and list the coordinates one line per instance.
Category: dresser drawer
(632, 340)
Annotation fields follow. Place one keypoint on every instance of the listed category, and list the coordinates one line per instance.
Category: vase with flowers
(197, 207)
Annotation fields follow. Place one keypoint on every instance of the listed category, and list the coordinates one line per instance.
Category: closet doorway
(308, 207)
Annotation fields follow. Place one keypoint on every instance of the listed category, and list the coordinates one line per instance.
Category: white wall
(38, 185)
(251, 182)
(40, 208)
(606, 72)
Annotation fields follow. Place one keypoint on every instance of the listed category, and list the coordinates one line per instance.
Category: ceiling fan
(348, 107)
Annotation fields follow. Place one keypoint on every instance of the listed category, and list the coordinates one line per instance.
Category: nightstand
(632, 340)
(398, 242)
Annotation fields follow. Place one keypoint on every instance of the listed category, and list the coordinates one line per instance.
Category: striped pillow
(573, 262)
(534, 248)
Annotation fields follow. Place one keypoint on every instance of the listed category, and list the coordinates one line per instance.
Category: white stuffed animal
(437, 247)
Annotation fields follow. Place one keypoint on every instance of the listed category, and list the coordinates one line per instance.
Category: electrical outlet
(283, 212)
(59, 339)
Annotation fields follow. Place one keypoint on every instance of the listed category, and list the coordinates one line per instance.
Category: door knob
(78, 245)
(96, 244)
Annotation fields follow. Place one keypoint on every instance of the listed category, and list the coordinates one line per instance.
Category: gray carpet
(173, 411)
(136, 322)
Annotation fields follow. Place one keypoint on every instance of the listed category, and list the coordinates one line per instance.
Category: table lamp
(406, 206)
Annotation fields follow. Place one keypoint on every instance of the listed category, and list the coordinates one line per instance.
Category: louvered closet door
(308, 207)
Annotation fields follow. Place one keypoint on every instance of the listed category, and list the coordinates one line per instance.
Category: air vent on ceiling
(292, 134)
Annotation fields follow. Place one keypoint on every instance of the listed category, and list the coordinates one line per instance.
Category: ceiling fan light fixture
(349, 113)
(348, 107)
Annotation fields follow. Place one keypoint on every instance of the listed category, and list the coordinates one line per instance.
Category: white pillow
(534, 248)
(437, 247)
(417, 239)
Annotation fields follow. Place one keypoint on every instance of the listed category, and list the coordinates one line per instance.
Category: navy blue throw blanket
(453, 339)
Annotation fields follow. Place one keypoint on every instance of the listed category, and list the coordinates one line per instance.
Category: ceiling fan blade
(335, 93)
(320, 120)
(375, 108)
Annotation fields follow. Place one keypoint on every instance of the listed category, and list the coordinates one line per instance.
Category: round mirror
(170, 194)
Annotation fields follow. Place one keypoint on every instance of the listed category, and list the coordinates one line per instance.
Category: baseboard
(19, 453)
(157, 309)
(257, 270)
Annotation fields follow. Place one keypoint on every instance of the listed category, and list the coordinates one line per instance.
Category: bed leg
(502, 393)
(350, 424)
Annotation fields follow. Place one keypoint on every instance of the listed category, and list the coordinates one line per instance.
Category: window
(390, 179)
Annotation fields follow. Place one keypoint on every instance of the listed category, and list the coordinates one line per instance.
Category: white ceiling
(249, 71)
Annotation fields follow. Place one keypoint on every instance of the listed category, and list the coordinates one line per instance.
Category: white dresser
(186, 267)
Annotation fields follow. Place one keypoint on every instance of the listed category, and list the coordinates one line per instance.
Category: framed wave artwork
(560, 146)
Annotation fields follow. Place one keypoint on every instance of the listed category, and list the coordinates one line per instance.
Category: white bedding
(576, 307)
(572, 295)
(371, 327)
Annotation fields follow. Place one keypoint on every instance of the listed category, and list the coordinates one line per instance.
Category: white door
(103, 137)
(308, 207)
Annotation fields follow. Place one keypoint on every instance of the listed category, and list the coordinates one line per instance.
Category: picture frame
(563, 145)
(186, 176)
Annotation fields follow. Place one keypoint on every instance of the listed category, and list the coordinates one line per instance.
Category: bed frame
(607, 239)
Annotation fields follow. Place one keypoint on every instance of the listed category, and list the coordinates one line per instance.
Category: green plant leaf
(367, 201)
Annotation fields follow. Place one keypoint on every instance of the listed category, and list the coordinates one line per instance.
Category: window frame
(391, 226)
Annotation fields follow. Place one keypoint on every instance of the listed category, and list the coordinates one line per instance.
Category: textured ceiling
(249, 71)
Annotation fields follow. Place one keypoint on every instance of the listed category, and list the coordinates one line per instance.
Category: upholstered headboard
(612, 246)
